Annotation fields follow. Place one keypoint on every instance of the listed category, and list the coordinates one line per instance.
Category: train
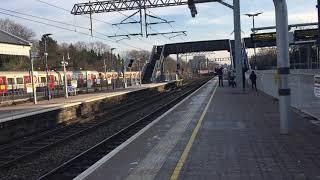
(21, 80)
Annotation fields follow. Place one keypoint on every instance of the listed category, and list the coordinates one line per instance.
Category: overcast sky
(214, 21)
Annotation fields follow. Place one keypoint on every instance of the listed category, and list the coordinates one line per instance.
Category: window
(43, 79)
(11, 81)
(27, 79)
(19, 80)
(2, 80)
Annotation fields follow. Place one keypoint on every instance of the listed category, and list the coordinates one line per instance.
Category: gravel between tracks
(43, 162)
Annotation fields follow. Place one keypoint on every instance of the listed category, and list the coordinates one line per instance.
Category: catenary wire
(108, 23)
(67, 29)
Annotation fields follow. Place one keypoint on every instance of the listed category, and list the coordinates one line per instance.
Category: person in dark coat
(220, 75)
(253, 78)
(233, 79)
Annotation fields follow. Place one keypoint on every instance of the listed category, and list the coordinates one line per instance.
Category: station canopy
(13, 45)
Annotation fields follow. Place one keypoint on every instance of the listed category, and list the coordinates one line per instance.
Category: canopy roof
(13, 45)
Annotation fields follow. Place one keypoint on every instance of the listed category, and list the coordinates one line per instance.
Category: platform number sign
(317, 85)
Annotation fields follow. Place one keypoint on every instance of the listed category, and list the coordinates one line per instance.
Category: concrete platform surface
(233, 137)
(27, 109)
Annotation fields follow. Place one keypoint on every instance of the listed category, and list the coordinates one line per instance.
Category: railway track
(21, 153)
(80, 163)
(21, 150)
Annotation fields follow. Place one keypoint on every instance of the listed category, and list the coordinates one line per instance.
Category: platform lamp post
(140, 71)
(64, 64)
(318, 40)
(113, 64)
(33, 55)
(105, 72)
(253, 15)
(44, 37)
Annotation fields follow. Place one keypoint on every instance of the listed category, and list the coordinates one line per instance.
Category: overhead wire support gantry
(124, 5)
(139, 5)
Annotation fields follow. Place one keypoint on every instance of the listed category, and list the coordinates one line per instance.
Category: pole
(237, 38)
(318, 43)
(65, 78)
(318, 63)
(145, 19)
(177, 71)
(46, 61)
(255, 46)
(105, 72)
(91, 19)
(318, 6)
(123, 73)
(199, 63)
(34, 90)
(208, 65)
(140, 13)
(283, 63)
(113, 64)
(111, 59)
(87, 82)
(139, 67)
(231, 56)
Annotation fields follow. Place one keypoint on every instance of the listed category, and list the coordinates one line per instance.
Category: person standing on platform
(253, 78)
(220, 75)
(233, 79)
(229, 78)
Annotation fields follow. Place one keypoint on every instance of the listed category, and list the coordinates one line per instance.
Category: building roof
(8, 38)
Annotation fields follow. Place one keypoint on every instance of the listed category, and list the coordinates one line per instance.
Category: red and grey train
(20, 80)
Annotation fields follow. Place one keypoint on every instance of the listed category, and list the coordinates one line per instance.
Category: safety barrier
(19, 96)
(301, 83)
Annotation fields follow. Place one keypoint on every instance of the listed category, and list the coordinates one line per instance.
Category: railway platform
(23, 120)
(217, 133)
(28, 109)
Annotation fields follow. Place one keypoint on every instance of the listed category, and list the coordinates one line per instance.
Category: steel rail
(21, 150)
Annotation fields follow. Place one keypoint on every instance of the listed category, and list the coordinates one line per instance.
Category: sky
(213, 21)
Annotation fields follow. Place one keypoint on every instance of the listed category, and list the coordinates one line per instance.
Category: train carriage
(13, 81)
(20, 81)
(3, 85)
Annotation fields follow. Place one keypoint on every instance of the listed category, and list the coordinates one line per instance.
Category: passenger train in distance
(20, 80)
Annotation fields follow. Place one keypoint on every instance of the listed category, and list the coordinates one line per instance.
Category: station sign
(98, 81)
(29, 88)
(317, 85)
(264, 37)
(305, 34)
(74, 83)
(269, 38)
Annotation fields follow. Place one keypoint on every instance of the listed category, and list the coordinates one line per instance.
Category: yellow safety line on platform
(187, 149)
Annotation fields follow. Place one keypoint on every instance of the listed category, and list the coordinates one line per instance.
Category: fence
(301, 82)
(19, 95)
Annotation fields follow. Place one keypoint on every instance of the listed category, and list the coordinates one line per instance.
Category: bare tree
(266, 58)
(16, 29)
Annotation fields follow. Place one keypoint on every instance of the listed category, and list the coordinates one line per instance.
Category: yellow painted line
(187, 149)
